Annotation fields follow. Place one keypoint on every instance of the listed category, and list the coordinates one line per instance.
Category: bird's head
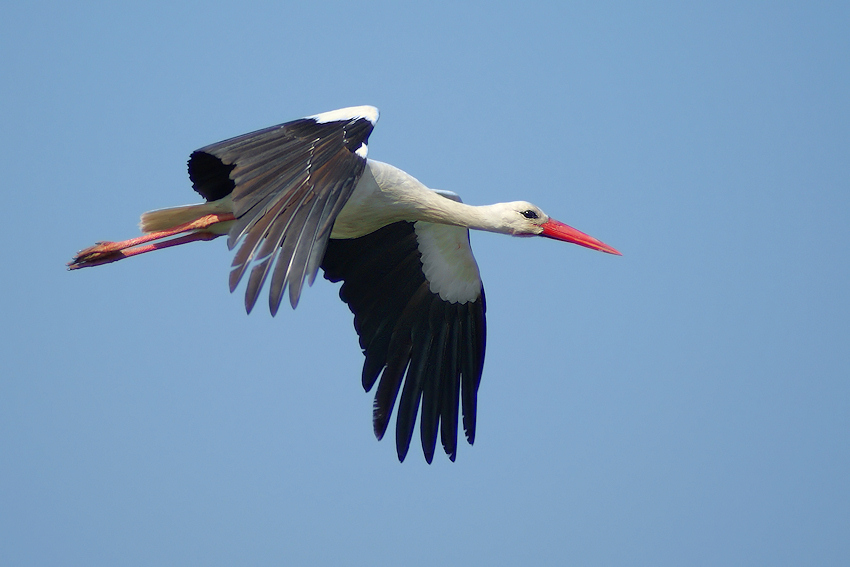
(521, 218)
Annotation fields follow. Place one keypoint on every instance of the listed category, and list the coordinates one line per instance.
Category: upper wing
(288, 184)
(433, 330)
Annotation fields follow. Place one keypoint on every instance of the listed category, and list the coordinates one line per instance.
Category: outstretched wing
(428, 331)
(288, 184)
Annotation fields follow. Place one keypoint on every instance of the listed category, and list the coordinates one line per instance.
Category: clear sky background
(686, 404)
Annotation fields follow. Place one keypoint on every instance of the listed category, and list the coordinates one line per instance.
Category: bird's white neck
(386, 194)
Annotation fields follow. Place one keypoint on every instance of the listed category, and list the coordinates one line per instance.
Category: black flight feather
(429, 349)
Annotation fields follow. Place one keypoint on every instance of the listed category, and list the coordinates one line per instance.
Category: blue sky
(686, 403)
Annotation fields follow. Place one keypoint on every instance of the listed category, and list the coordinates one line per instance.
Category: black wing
(405, 329)
(288, 184)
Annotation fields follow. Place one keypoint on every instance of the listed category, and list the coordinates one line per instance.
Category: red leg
(106, 252)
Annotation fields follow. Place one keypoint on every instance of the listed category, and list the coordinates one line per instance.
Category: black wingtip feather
(473, 364)
(434, 386)
(408, 405)
(385, 396)
(450, 394)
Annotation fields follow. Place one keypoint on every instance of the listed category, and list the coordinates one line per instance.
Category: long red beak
(560, 231)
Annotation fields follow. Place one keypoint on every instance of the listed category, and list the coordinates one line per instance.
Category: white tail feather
(166, 219)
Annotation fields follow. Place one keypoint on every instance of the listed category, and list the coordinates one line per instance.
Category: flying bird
(301, 196)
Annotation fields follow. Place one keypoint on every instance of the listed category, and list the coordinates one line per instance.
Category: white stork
(302, 195)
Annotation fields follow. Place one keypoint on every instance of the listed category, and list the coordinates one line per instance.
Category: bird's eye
(529, 214)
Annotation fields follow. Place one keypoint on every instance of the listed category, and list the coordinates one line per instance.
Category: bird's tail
(167, 219)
